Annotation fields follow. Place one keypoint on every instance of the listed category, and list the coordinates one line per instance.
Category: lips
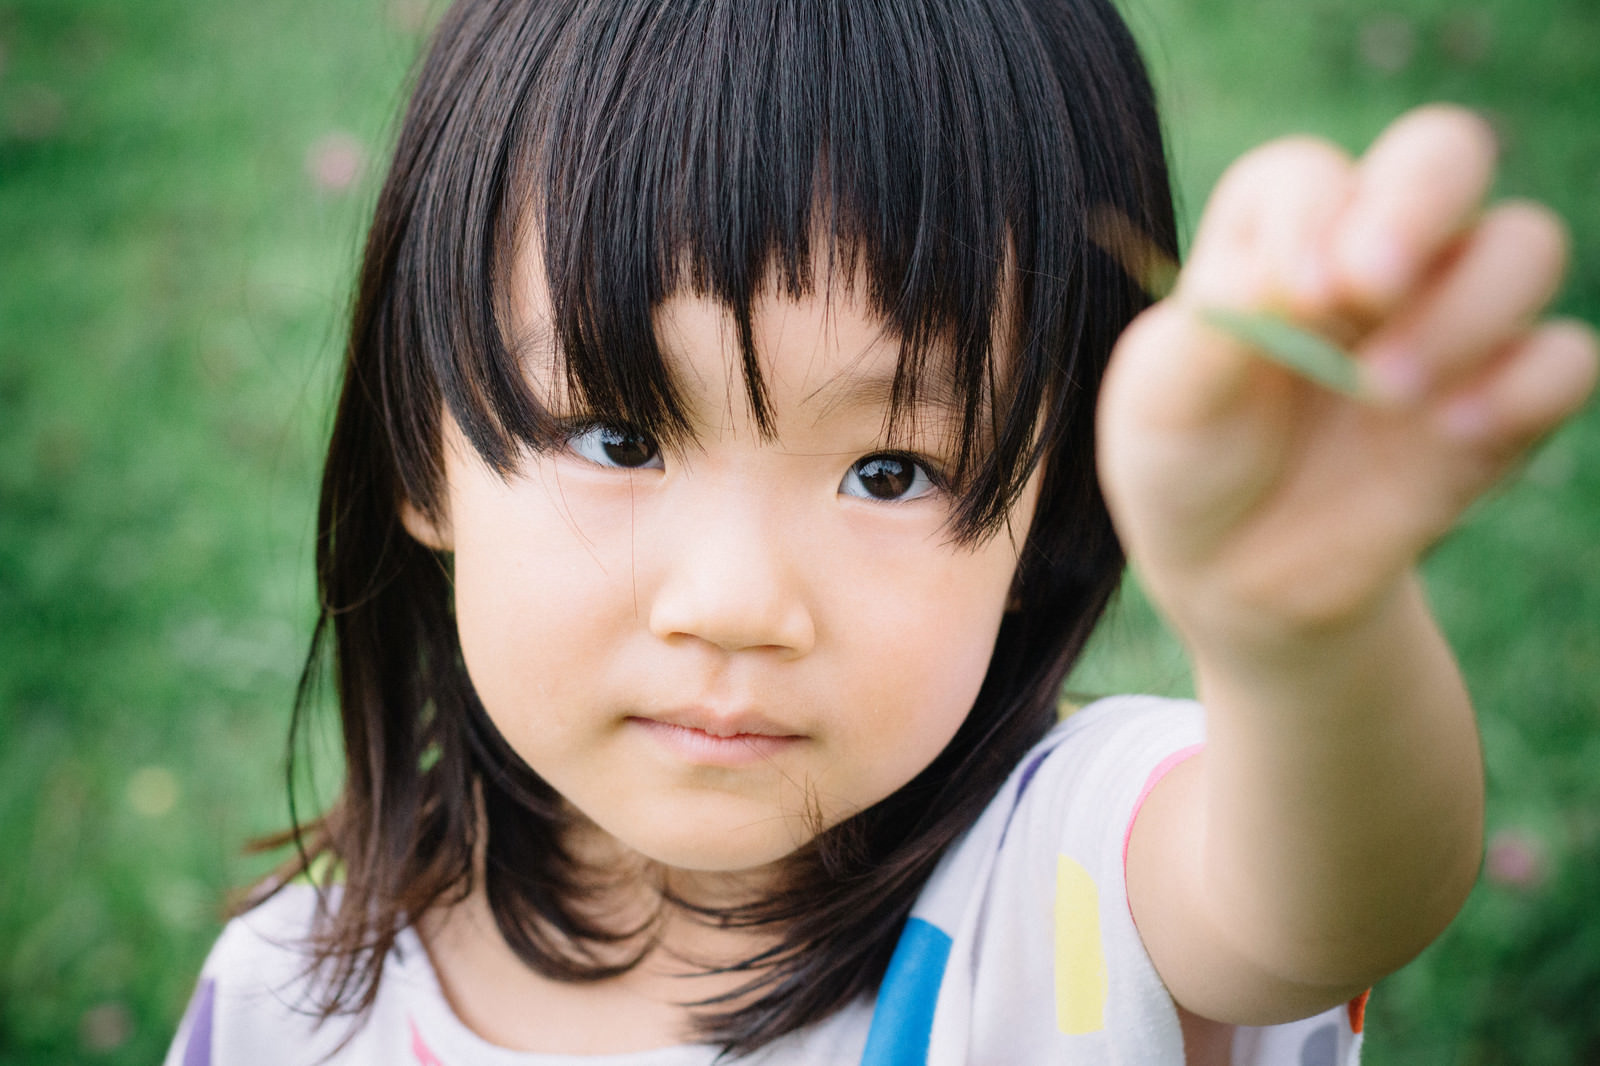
(705, 738)
(722, 725)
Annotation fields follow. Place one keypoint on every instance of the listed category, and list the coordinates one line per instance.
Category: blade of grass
(1305, 353)
(1273, 338)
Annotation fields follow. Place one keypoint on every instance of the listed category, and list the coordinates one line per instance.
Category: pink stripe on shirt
(1163, 768)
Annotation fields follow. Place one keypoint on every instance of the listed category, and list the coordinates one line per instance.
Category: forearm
(1341, 797)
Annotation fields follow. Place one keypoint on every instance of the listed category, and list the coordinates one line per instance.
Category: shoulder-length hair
(950, 153)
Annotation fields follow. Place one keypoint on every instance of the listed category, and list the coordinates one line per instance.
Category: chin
(725, 856)
(725, 851)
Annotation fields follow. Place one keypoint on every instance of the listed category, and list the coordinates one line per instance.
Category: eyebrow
(933, 392)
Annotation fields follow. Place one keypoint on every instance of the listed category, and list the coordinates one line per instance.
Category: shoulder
(1092, 769)
(1073, 802)
(1074, 795)
(255, 1001)
(269, 944)
(1116, 727)
(1078, 788)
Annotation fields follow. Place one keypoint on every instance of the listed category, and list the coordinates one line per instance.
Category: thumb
(1190, 426)
(1172, 372)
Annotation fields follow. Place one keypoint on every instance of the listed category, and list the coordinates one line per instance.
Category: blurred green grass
(182, 191)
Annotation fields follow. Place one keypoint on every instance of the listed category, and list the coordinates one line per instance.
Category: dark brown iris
(626, 448)
(886, 477)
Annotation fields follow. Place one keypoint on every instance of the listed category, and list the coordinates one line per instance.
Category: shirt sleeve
(252, 1004)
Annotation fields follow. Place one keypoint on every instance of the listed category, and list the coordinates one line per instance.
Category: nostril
(787, 632)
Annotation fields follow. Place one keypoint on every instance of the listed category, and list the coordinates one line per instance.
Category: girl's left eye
(887, 477)
(616, 446)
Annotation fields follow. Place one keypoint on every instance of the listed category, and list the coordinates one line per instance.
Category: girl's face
(716, 653)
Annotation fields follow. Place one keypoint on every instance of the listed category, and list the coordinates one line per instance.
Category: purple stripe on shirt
(198, 1051)
(1024, 779)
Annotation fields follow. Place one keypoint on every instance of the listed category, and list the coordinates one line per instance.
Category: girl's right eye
(615, 446)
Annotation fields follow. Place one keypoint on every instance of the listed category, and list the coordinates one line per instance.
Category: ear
(428, 532)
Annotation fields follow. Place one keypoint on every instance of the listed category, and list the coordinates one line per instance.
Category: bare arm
(1333, 826)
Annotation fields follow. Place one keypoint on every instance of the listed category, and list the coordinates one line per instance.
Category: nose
(730, 576)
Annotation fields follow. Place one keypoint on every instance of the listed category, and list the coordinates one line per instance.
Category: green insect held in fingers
(1305, 353)
(1270, 336)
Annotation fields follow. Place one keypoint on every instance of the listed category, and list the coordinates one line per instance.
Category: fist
(1245, 491)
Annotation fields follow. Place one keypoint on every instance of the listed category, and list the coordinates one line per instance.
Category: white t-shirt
(1021, 949)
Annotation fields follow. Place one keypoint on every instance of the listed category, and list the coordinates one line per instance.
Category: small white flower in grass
(334, 161)
(152, 791)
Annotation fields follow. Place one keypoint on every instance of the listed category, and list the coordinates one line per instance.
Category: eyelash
(591, 441)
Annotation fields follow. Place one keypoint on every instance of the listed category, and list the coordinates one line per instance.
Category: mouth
(723, 725)
(706, 738)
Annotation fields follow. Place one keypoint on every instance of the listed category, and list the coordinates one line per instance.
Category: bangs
(927, 153)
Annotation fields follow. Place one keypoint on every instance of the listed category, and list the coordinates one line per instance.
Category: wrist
(1288, 621)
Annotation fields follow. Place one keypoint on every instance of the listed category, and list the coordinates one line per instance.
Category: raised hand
(1254, 501)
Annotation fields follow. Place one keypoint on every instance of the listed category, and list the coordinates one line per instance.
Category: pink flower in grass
(334, 161)
(106, 1027)
(1515, 859)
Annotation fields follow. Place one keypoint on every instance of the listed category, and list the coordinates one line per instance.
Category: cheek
(921, 649)
(537, 596)
(936, 614)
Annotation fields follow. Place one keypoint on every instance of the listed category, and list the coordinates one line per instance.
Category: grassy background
(182, 190)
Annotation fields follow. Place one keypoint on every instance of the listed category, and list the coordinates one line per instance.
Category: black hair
(949, 154)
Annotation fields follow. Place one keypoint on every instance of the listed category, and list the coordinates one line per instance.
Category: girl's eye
(615, 446)
(887, 477)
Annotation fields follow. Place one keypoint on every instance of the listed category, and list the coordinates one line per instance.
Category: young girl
(712, 516)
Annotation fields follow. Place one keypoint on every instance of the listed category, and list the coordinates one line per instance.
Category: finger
(1262, 244)
(1540, 382)
(1263, 238)
(1416, 190)
(1494, 286)
(1181, 376)
(1169, 421)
